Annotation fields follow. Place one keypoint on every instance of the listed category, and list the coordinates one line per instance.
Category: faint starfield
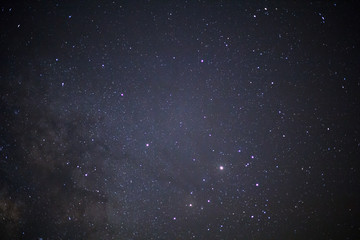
(179, 120)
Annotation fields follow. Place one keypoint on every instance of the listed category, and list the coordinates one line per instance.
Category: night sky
(180, 120)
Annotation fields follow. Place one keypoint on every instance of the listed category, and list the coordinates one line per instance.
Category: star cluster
(179, 120)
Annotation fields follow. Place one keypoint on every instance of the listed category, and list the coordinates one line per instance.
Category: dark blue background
(267, 90)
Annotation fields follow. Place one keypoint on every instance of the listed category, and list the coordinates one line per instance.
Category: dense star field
(179, 120)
